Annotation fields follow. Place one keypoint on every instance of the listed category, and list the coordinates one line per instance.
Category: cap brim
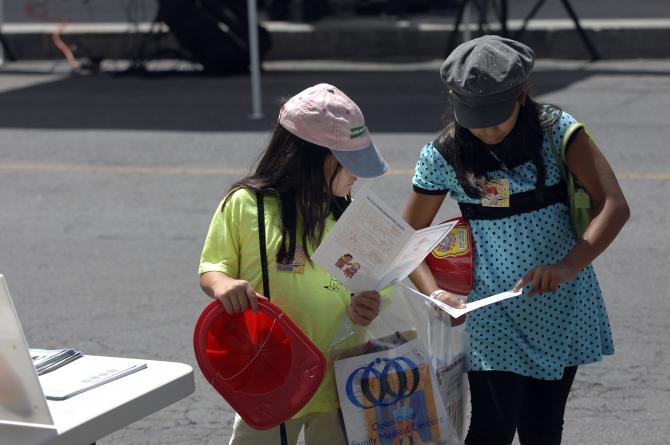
(483, 116)
(365, 163)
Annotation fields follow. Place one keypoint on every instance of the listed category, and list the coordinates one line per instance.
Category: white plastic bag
(400, 379)
(446, 350)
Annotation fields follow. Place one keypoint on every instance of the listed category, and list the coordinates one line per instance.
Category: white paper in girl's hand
(371, 247)
(457, 312)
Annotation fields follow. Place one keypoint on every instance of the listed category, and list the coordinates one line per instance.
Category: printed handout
(372, 248)
(457, 312)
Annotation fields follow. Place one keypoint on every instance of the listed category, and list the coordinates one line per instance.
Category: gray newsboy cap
(486, 75)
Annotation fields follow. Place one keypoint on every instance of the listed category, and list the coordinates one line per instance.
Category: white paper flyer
(458, 312)
(371, 248)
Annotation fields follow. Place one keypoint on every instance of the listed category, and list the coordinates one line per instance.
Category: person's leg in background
(324, 429)
(495, 398)
(310, 10)
(279, 10)
(243, 434)
(443, 6)
(313, 10)
(541, 416)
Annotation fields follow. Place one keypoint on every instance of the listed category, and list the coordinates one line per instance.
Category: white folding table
(91, 415)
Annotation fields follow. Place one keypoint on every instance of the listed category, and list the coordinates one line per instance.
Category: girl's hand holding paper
(364, 307)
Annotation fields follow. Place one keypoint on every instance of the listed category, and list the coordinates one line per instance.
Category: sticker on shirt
(456, 243)
(297, 266)
(347, 265)
(496, 193)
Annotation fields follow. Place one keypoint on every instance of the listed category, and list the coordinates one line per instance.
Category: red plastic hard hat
(451, 260)
(261, 363)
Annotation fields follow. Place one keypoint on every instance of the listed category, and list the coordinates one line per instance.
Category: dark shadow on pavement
(393, 101)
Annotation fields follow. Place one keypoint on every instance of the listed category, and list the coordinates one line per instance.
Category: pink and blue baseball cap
(325, 116)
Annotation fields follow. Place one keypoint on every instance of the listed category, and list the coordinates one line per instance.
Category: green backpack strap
(560, 156)
(582, 200)
(579, 199)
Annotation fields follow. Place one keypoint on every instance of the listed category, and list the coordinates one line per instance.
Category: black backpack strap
(282, 434)
(260, 208)
(518, 203)
(261, 241)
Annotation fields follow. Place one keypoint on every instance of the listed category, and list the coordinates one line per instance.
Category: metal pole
(2, 45)
(254, 61)
(451, 43)
(580, 31)
(467, 34)
(503, 18)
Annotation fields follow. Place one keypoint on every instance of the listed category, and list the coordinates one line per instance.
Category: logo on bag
(454, 244)
(383, 382)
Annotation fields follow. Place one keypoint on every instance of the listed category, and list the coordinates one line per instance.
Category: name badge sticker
(496, 193)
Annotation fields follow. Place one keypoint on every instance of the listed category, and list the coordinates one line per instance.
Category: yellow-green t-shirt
(309, 295)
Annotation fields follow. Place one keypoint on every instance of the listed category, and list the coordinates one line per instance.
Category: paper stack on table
(86, 373)
(47, 360)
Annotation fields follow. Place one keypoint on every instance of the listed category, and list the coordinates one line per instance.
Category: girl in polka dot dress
(495, 160)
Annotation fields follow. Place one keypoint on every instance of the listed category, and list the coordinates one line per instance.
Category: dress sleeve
(560, 127)
(432, 173)
(221, 252)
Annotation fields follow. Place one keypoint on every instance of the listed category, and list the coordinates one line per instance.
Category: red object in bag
(261, 363)
(451, 261)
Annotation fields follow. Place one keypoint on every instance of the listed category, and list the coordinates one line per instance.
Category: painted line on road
(119, 169)
(645, 176)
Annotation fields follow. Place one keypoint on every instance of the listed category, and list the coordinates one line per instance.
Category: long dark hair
(472, 159)
(292, 169)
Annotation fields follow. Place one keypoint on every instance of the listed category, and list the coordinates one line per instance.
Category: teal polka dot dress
(539, 336)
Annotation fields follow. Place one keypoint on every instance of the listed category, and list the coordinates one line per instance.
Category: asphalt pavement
(109, 182)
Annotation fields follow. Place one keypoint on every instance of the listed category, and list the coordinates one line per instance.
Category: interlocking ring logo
(396, 379)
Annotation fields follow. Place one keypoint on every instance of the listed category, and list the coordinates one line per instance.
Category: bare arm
(610, 213)
(611, 210)
(235, 295)
(420, 212)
